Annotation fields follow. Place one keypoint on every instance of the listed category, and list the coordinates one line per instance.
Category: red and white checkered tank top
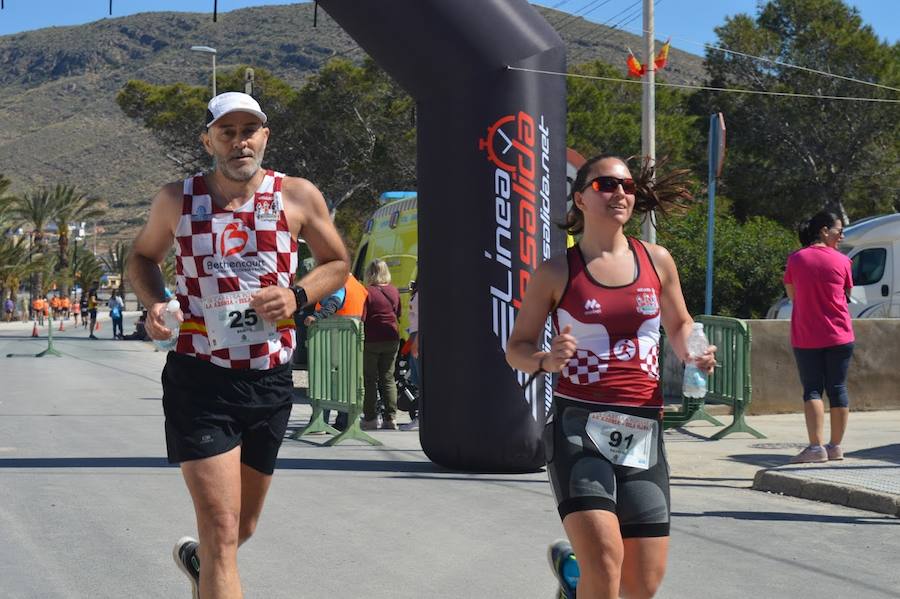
(220, 251)
(617, 328)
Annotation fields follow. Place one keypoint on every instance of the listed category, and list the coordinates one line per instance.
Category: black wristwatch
(300, 298)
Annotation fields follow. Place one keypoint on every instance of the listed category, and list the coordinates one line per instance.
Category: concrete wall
(873, 382)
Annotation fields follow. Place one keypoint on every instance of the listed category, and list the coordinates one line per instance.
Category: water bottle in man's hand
(695, 379)
(170, 319)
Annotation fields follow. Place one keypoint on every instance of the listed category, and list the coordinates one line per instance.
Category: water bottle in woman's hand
(695, 379)
(170, 320)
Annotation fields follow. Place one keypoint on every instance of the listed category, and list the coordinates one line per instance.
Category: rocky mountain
(59, 122)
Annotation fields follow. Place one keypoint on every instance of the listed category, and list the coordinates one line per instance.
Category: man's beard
(241, 173)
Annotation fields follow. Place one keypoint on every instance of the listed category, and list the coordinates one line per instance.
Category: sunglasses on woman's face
(609, 184)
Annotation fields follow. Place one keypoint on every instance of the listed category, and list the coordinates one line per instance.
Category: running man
(227, 384)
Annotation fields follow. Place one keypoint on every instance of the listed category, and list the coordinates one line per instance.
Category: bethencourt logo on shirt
(231, 242)
(592, 306)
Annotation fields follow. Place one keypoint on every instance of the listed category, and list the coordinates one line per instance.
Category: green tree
(605, 117)
(15, 264)
(72, 206)
(175, 113)
(789, 157)
(116, 261)
(87, 268)
(749, 259)
(350, 130)
(34, 211)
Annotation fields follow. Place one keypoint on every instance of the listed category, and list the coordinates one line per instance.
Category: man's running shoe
(187, 560)
(565, 567)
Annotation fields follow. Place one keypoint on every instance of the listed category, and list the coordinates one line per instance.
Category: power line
(631, 15)
(585, 10)
(709, 88)
(629, 8)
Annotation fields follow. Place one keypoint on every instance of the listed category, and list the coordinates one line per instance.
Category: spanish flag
(636, 69)
(662, 57)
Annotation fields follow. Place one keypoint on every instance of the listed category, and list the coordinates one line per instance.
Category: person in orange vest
(349, 301)
(64, 307)
(37, 304)
(55, 306)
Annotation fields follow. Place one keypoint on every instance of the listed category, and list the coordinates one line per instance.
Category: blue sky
(690, 23)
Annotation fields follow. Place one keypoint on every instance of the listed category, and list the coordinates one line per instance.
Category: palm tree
(15, 264)
(36, 211)
(72, 206)
(116, 260)
(87, 269)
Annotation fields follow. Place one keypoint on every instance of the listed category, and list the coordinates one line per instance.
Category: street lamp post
(212, 51)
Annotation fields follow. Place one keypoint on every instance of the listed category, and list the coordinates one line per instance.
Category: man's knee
(221, 529)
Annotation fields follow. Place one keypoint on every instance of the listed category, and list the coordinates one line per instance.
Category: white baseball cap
(232, 102)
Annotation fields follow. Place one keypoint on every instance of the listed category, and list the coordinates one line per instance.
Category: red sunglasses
(609, 184)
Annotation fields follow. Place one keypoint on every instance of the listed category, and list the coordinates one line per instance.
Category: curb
(828, 492)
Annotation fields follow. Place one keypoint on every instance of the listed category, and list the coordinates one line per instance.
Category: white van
(873, 245)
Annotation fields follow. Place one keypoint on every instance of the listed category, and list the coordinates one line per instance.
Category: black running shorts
(211, 410)
(583, 479)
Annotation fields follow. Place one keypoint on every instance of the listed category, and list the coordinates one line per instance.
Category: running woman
(607, 296)
(227, 387)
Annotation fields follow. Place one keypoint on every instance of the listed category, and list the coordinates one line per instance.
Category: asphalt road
(89, 508)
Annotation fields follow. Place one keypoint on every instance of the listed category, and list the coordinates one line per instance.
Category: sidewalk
(868, 478)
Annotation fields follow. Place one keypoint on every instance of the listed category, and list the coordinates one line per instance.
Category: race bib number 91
(230, 321)
(623, 439)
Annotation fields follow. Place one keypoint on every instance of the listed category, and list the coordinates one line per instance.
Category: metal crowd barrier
(335, 348)
(730, 382)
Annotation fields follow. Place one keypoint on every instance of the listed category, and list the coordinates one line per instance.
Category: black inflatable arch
(491, 154)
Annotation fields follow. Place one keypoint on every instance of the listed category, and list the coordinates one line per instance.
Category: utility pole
(648, 111)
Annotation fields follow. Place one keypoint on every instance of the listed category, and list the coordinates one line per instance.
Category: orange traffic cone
(34, 331)
(61, 327)
(97, 328)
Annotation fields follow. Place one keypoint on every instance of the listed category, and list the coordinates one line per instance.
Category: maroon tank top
(617, 328)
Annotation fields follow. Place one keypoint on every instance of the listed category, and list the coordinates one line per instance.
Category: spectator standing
(818, 280)
(116, 308)
(9, 306)
(382, 313)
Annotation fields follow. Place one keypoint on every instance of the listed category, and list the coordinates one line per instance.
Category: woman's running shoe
(565, 568)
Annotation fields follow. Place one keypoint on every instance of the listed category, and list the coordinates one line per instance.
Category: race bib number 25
(230, 321)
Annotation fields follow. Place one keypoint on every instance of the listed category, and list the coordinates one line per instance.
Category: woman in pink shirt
(818, 282)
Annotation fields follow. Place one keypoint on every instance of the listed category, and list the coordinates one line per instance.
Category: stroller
(407, 386)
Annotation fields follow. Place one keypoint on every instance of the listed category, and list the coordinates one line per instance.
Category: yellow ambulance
(392, 235)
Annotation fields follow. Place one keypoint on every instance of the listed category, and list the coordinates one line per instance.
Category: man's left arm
(308, 217)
